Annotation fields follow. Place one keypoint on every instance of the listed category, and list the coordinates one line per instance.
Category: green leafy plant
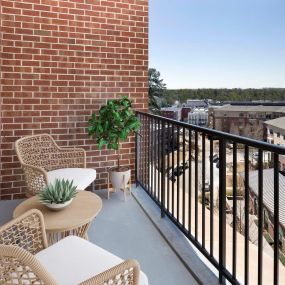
(115, 122)
(58, 193)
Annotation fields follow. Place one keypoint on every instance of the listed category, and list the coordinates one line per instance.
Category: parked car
(216, 159)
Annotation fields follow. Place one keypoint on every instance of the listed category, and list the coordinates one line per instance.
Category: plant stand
(127, 187)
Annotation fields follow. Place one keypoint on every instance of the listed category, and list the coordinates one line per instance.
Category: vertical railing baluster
(183, 181)
(152, 146)
(246, 215)
(144, 151)
(168, 163)
(276, 218)
(211, 198)
(196, 185)
(148, 153)
(155, 158)
(234, 209)
(222, 209)
(190, 182)
(203, 189)
(163, 170)
(178, 176)
(260, 216)
(172, 170)
(159, 162)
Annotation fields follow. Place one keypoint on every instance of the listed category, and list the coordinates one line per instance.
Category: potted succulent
(114, 123)
(59, 195)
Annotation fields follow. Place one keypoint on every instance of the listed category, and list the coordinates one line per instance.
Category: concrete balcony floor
(124, 229)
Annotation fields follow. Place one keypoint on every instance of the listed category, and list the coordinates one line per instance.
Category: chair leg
(93, 186)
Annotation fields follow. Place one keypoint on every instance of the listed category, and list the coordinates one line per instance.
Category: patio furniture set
(40, 246)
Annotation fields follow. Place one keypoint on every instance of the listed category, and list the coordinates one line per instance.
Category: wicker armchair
(24, 255)
(43, 161)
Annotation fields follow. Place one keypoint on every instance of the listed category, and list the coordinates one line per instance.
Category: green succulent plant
(58, 193)
(114, 123)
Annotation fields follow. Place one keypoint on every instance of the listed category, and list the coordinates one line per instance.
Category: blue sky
(218, 43)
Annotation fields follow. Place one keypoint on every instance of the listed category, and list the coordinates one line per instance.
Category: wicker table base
(74, 220)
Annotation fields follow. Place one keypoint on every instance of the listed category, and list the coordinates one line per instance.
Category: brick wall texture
(60, 61)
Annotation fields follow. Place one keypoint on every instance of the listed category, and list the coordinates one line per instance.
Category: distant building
(184, 113)
(194, 103)
(268, 202)
(276, 135)
(171, 113)
(244, 120)
(198, 117)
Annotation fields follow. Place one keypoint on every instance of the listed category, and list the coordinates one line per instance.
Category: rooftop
(268, 190)
(279, 123)
(246, 108)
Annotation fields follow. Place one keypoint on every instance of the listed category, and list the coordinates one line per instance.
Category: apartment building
(275, 130)
(198, 117)
(171, 113)
(244, 120)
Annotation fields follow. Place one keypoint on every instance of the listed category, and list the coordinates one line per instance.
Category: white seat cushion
(73, 260)
(82, 177)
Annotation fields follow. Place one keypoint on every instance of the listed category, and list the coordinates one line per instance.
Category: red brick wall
(60, 60)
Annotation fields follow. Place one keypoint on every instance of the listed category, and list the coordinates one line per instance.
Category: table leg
(81, 231)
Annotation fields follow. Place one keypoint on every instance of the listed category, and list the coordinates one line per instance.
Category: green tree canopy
(156, 88)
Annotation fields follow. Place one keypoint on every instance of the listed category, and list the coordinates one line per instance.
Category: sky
(218, 43)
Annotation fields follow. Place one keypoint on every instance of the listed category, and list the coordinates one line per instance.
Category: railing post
(162, 167)
(222, 209)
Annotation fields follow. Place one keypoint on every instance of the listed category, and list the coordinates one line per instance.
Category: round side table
(73, 220)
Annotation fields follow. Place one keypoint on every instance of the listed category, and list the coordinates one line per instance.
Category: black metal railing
(200, 179)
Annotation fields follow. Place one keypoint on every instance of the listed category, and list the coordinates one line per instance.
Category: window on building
(241, 114)
(278, 135)
(271, 131)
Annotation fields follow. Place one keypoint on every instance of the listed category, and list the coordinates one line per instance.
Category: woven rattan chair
(26, 259)
(43, 161)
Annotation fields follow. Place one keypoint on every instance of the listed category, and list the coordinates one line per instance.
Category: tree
(156, 88)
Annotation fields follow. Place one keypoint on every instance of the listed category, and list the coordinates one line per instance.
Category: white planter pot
(58, 207)
(120, 179)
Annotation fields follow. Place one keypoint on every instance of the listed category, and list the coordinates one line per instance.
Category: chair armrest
(36, 178)
(127, 272)
(18, 266)
(71, 157)
(27, 232)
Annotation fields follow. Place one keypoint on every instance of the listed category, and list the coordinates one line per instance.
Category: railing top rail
(222, 135)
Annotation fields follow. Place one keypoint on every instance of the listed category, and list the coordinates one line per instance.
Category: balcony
(191, 219)
(195, 216)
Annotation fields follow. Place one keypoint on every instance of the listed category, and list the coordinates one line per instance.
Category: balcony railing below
(200, 179)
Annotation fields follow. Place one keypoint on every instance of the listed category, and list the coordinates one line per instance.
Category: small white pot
(58, 207)
(120, 179)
